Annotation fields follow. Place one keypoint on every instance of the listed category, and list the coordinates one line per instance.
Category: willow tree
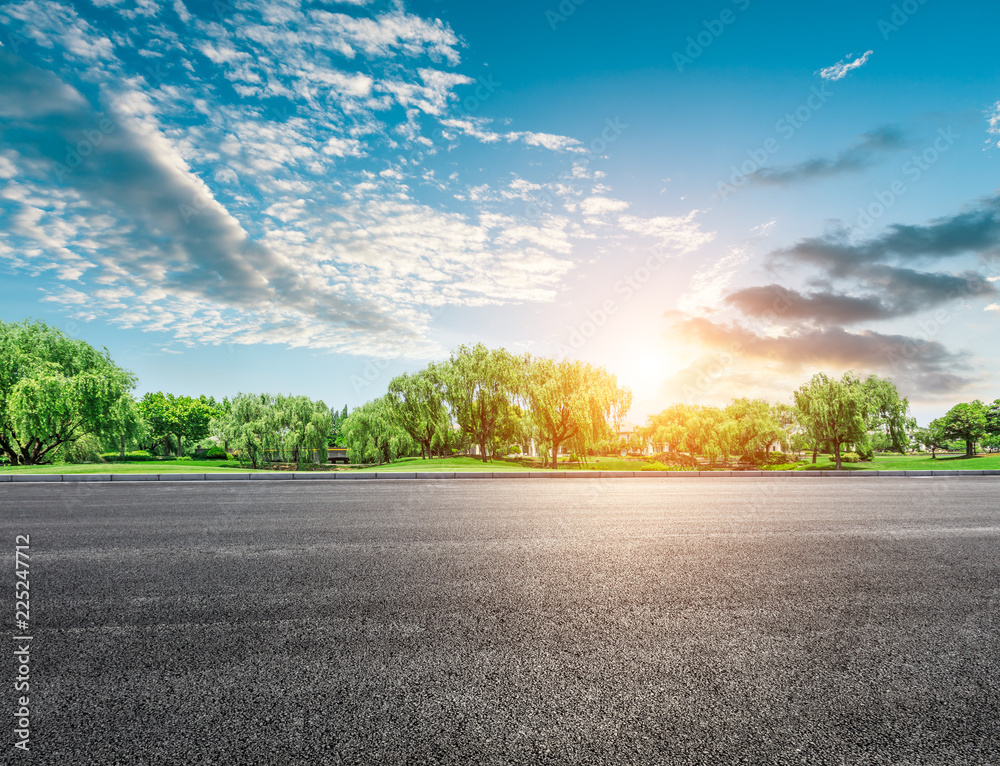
(302, 425)
(481, 387)
(373, 433)
(888, 411)
(835, 412)
(668, 428)
(707, 432)
(418, 400)
(248, 426)
(752, 427)
(53, 390)
(573, 401)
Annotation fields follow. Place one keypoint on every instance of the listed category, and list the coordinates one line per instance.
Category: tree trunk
(555, 455)
(482, 449)
(836, 453)
(968, 448)
(121, 452)
(815, 452)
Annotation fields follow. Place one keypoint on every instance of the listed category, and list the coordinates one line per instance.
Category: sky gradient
(711, 199)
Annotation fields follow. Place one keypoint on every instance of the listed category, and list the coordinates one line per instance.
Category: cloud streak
(841, 69)
(856, 158)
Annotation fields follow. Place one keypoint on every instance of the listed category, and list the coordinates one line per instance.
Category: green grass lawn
(460, 463)
(465, 463)
(950, 462)
(144, 466)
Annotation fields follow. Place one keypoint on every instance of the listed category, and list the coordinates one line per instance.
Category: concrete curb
(432, 475)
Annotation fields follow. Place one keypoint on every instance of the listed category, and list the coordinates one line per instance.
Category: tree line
(59, 397)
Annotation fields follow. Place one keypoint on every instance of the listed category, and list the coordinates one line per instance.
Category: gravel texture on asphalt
(476, 622)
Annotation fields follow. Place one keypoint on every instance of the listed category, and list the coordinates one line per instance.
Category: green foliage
(850, 457)
(834, 411)
(418, 401)
(262, 426)
(53, 390)
(182, 417)
(480, 388)
(129, 457)
(216, 453)
(655, 466)
(85, 449)
(571, 401)
(968, 422)
(374, 435)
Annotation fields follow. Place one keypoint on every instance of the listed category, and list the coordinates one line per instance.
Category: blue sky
(712, 199)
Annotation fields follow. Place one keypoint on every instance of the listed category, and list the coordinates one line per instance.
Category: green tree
(752, 427)
(418, 400)
(301, 425)
(249, 427)
(337, 428)
(993, 418)
(182, 417)
(888, 412)
(834, 411)
(668, 428)
(966, 422)
(708, 434)
(481, 386)
(53, 390)
(571, 401)
(374, 435)
(932, 437)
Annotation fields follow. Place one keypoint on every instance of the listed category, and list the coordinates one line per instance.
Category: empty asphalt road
(702, 621)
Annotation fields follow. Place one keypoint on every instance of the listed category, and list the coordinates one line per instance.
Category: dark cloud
(182, 240)
(892, 292)
(974, 231)
(914, 362)
(858, 157)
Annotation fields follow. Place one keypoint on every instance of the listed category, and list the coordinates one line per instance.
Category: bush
(668, 459)
(850, 457)
(216, 453)
(86, 449)
(130, 457)
(655, 466)
(780, 467)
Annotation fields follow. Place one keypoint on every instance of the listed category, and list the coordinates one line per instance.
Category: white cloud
(993, 118)
(843, 68)
(599, 206)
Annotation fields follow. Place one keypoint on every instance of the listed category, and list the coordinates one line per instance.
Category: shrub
(216, 453)
(850, 457)
(655, 466)
(780, 467)
(668, 459)
(86, 449)
(130, 457)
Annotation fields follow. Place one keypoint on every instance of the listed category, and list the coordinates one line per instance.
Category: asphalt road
(703, 621)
